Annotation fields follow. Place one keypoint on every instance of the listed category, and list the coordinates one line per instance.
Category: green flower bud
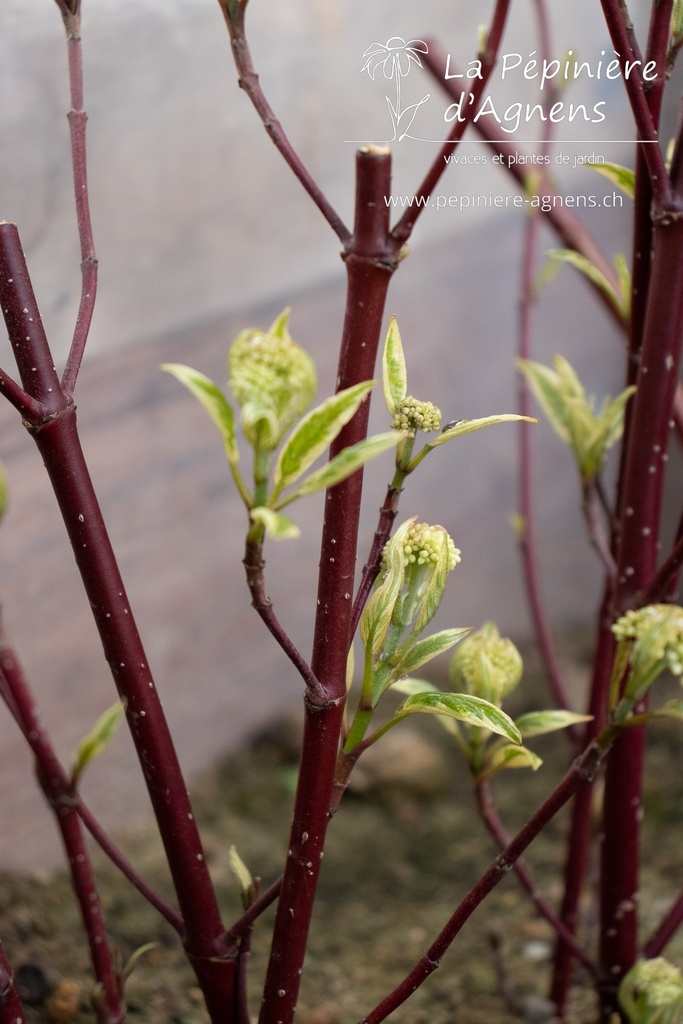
(657, 635)
(486, 665)
(422, 546)
(652, 993)
(273, 380)
(412, 415)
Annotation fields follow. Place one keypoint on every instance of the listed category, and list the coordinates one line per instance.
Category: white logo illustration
(396, 58)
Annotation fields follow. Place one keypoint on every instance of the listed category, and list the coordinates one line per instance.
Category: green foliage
(243, 876)
(97, 740)
(394, 375)
(623, 177)
(274, 381)
(4, 491)
(652, 993)
(571, 413)
(650, 641)
(621, 298)
(463, 708)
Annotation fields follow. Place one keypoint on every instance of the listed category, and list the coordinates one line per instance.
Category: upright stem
(371, 257)
(11, 1010)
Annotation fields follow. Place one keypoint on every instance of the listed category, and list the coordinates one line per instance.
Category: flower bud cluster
(657, 630)
(412, 415)
(422, 546)
(486, 665)
(273, 379)
(652, 992)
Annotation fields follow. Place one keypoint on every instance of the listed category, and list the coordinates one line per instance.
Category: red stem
(387, 517)
(11, 1010)
(666, 931)
(371, 257)
(494, 825)
(77, 125)
(64, 803)
(406, 223)
(582, 771)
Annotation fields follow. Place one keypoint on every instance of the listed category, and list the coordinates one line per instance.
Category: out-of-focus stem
(11, 1010)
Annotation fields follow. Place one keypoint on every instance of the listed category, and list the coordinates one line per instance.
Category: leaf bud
(486, 665)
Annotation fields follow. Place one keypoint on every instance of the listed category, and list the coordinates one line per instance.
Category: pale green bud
(657, 632)
(422, 544)
(486, 665)
(273, 379)
(652, 993)
(412, 415)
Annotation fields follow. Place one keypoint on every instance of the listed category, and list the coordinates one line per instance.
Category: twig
(77, 124)
(11, 1010)
(403, 229)
(665, 583)
(495, 826)
(595, 530)
(387, 517)
(667, 929)
(249, 81)
(253, 565)
(582, 771)
(63, 801)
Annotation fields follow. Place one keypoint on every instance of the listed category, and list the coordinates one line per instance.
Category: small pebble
(64, 1003)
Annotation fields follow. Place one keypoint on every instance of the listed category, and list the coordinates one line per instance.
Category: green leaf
(537, 723)
(623, 177)
(344, 464)
(4, 490)
(97, 740)
(624, 274)
(377, 613)
(426, 649)
(512, 757)
(243, 876)
(315, 432)
(463, 708)
(394, 376)
(213, 400)
(435, 589)
(409, 687)
(677, 21)
(135, 956)
(468, 426)
(589, 270)
(277, 526)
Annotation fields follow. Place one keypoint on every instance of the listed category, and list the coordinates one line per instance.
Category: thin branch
(582, 772)
(403, 229)
(666, 931)
(260, 904)
(11, 1010)
(249, 81)
(77, 125)
(595, 530)
(665, 583)
(260, 600)
(620, 27)
(387, 517)
(494, 825)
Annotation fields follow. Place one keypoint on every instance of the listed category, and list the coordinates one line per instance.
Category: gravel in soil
(403, 850)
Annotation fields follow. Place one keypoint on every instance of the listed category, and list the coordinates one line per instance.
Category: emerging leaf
(343, 465)
(430, 647)
(463, 708)
(277, 526)
(511, 757)
(394, 377)
(213, 400)
(593, 273)
(463, 427)
(315, 432)
(377, 613)
(537, 723)
(408, 687)
(486, 665)
(134, 957)
(243, 876)
(623, 177)
(97, 740)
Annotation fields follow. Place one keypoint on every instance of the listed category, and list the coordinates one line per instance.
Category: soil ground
(403, 850)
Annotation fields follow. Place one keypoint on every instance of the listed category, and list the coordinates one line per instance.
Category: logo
(396, 57)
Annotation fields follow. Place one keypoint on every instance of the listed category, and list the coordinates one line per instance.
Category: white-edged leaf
(463, 708)
(243, 877)
(589, 269)
(277, 526)
(537, 723)
(512, 757)
(343, 465)
(429, 647)
(213, 400)
(377, 613)
(316, 432)
(408, 687)
(435, 588)
(394, 376)
(672, 709)
(623, 177)
(468, 426)
(97, 740)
